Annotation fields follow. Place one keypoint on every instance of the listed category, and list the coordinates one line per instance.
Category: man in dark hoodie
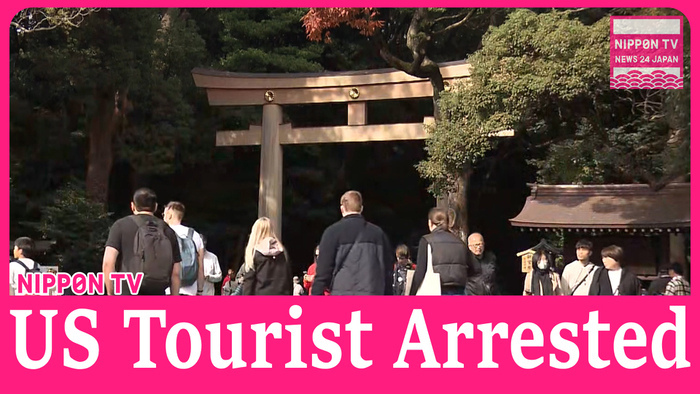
(355, 256)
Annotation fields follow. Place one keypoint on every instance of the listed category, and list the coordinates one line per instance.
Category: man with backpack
(578, 275)
(143, 243)
(22, 264)
(191, 250)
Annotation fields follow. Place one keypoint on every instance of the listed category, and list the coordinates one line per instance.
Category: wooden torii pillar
(272, 91)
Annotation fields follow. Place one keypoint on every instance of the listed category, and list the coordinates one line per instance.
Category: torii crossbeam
(355, 88)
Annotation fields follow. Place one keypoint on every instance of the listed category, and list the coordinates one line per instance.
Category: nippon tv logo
(646, 52)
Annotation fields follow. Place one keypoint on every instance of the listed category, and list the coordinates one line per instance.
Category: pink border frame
(113, 371)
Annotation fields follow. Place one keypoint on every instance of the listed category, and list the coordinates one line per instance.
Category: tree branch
(40, 19)
(456, 24)
(389, 57)
(575, 10)
(414, 43)
(448, 17)
(554, 140)
(417, 40)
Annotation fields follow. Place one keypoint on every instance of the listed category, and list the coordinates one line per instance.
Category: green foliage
(267, 40)
(145, 55)
(80, 228)
(549, 84)
(571, 162)
(528, 66)
(178, 48)
(151, 144)
(546, 76)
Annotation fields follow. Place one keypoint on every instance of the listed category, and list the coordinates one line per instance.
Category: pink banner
(423, 342)
(351, 344)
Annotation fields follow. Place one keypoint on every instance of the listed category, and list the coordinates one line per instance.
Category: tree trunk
(454, 202)
(417, 41)
(459, 201)
(102, 128)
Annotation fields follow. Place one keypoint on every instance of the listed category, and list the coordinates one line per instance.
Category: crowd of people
(583, 277)
(354, 257)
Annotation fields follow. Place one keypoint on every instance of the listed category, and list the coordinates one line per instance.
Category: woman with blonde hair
(267, 270)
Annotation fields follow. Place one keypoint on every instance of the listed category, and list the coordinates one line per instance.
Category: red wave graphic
(657, 79)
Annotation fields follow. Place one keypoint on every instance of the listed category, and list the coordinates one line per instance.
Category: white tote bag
(409, 281)
(431, 281)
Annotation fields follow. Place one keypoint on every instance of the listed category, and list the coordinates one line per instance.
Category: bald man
(482, 267)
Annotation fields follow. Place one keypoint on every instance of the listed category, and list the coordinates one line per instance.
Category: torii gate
(274, 90)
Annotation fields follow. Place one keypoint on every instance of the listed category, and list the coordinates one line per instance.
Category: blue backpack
(189, 267)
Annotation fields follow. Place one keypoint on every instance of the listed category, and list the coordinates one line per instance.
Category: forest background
(102, 101)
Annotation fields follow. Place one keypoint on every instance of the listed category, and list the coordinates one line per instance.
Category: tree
(415, 33)
(547, 77)
(37, 19)
(80, 228)
(267, 40)
(165, 136)
(422, 35)
(117, 83)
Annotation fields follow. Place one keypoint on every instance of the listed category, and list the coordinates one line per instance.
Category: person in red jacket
(228, 277)
(310, 274)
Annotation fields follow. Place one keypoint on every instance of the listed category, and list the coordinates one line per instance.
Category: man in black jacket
(355, 256)
(658, 285)
(482, 267)
(614, 279)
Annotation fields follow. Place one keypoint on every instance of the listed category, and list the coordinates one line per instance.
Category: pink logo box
(646, 52)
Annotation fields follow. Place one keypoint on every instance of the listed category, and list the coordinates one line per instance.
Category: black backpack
(27, 270)
(153, 254)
